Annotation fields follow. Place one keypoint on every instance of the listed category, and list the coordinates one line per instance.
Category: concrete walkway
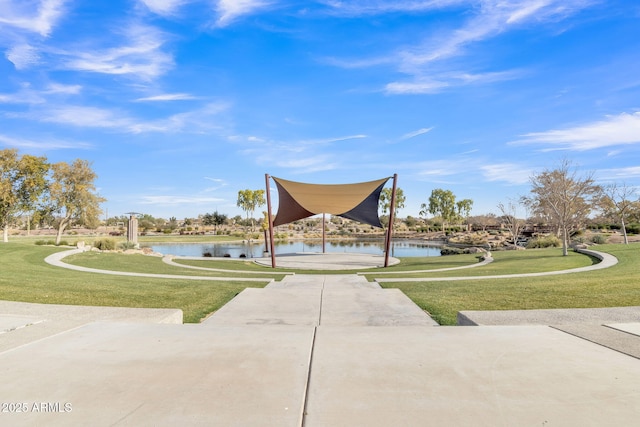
(317, 350)
(322, 350)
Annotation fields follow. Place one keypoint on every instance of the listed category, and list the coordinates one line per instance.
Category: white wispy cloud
(42, 143)
(197, 121)
(619, 174)
(28, 95)
(332, 140)
(164, 7)
(441, 80)
(218, 184)
(301, 156)
(415, 133)
(36, 16)
(202, 120)
(23, 56)
(230, 10)
(167, 97)
(428, 63)
(491, 19)
(308, 164)
(622, 129)
(511, 173)
(139, 56)
(437, 168)
(376, 7)
(58, 88)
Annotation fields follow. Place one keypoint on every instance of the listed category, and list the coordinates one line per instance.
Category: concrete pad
(107, 374)
(54, 319)
(10, 323)
(328, 261)
(631, 328)
(596, 316)
(298, 281)
(341, 282)
(327, 281)
(371, 307)
(93, 313)
(326, 300)
(255, 306)
(608, 337)
(452, 376)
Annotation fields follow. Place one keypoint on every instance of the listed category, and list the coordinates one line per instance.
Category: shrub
(105, 244)
(127, 245)
(63, 243)
(599, 239)
(549, 241)
(633, 228)
(448, 250)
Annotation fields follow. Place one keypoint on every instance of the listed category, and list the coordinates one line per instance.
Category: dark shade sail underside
(359, 202)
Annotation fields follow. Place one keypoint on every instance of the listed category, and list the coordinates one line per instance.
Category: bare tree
(484, 221)
(616, 201)
(564, 197)
(510, 217)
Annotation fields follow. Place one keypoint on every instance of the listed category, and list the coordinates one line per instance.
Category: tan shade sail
(358, 201)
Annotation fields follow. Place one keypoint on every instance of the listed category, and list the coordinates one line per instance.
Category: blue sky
(179, 104)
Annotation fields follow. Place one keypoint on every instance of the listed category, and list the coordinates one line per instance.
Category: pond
(400, 248)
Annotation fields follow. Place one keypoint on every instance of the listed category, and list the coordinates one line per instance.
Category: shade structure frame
(358, 201)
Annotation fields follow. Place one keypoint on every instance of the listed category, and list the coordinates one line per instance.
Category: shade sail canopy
(358, 201)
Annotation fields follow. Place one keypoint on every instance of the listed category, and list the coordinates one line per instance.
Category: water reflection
(257, 249)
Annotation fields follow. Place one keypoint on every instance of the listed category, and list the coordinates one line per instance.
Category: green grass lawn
(139, 263)
(618, 286)
(26, 277)
(505, 262)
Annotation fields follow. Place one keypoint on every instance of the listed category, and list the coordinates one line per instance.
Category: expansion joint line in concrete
(310, 365)
(303, 417)
(324, 280)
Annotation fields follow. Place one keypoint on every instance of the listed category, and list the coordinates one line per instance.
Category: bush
(63, 243)
(599, 239)
(105, 244)
(633, 228)
(448, 250)
(550, 241)
(127, 245)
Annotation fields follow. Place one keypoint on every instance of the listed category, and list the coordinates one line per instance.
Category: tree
(563, 197)
(616, 201)
(463, 208)
(214, 219)
(249, 201)
(510, 217)
(22, 182)
(385, 201)
(72, 194)
(442, 203)
(484, 220)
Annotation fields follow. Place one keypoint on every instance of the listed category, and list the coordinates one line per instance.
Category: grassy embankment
(26, 277)
(618, 286)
